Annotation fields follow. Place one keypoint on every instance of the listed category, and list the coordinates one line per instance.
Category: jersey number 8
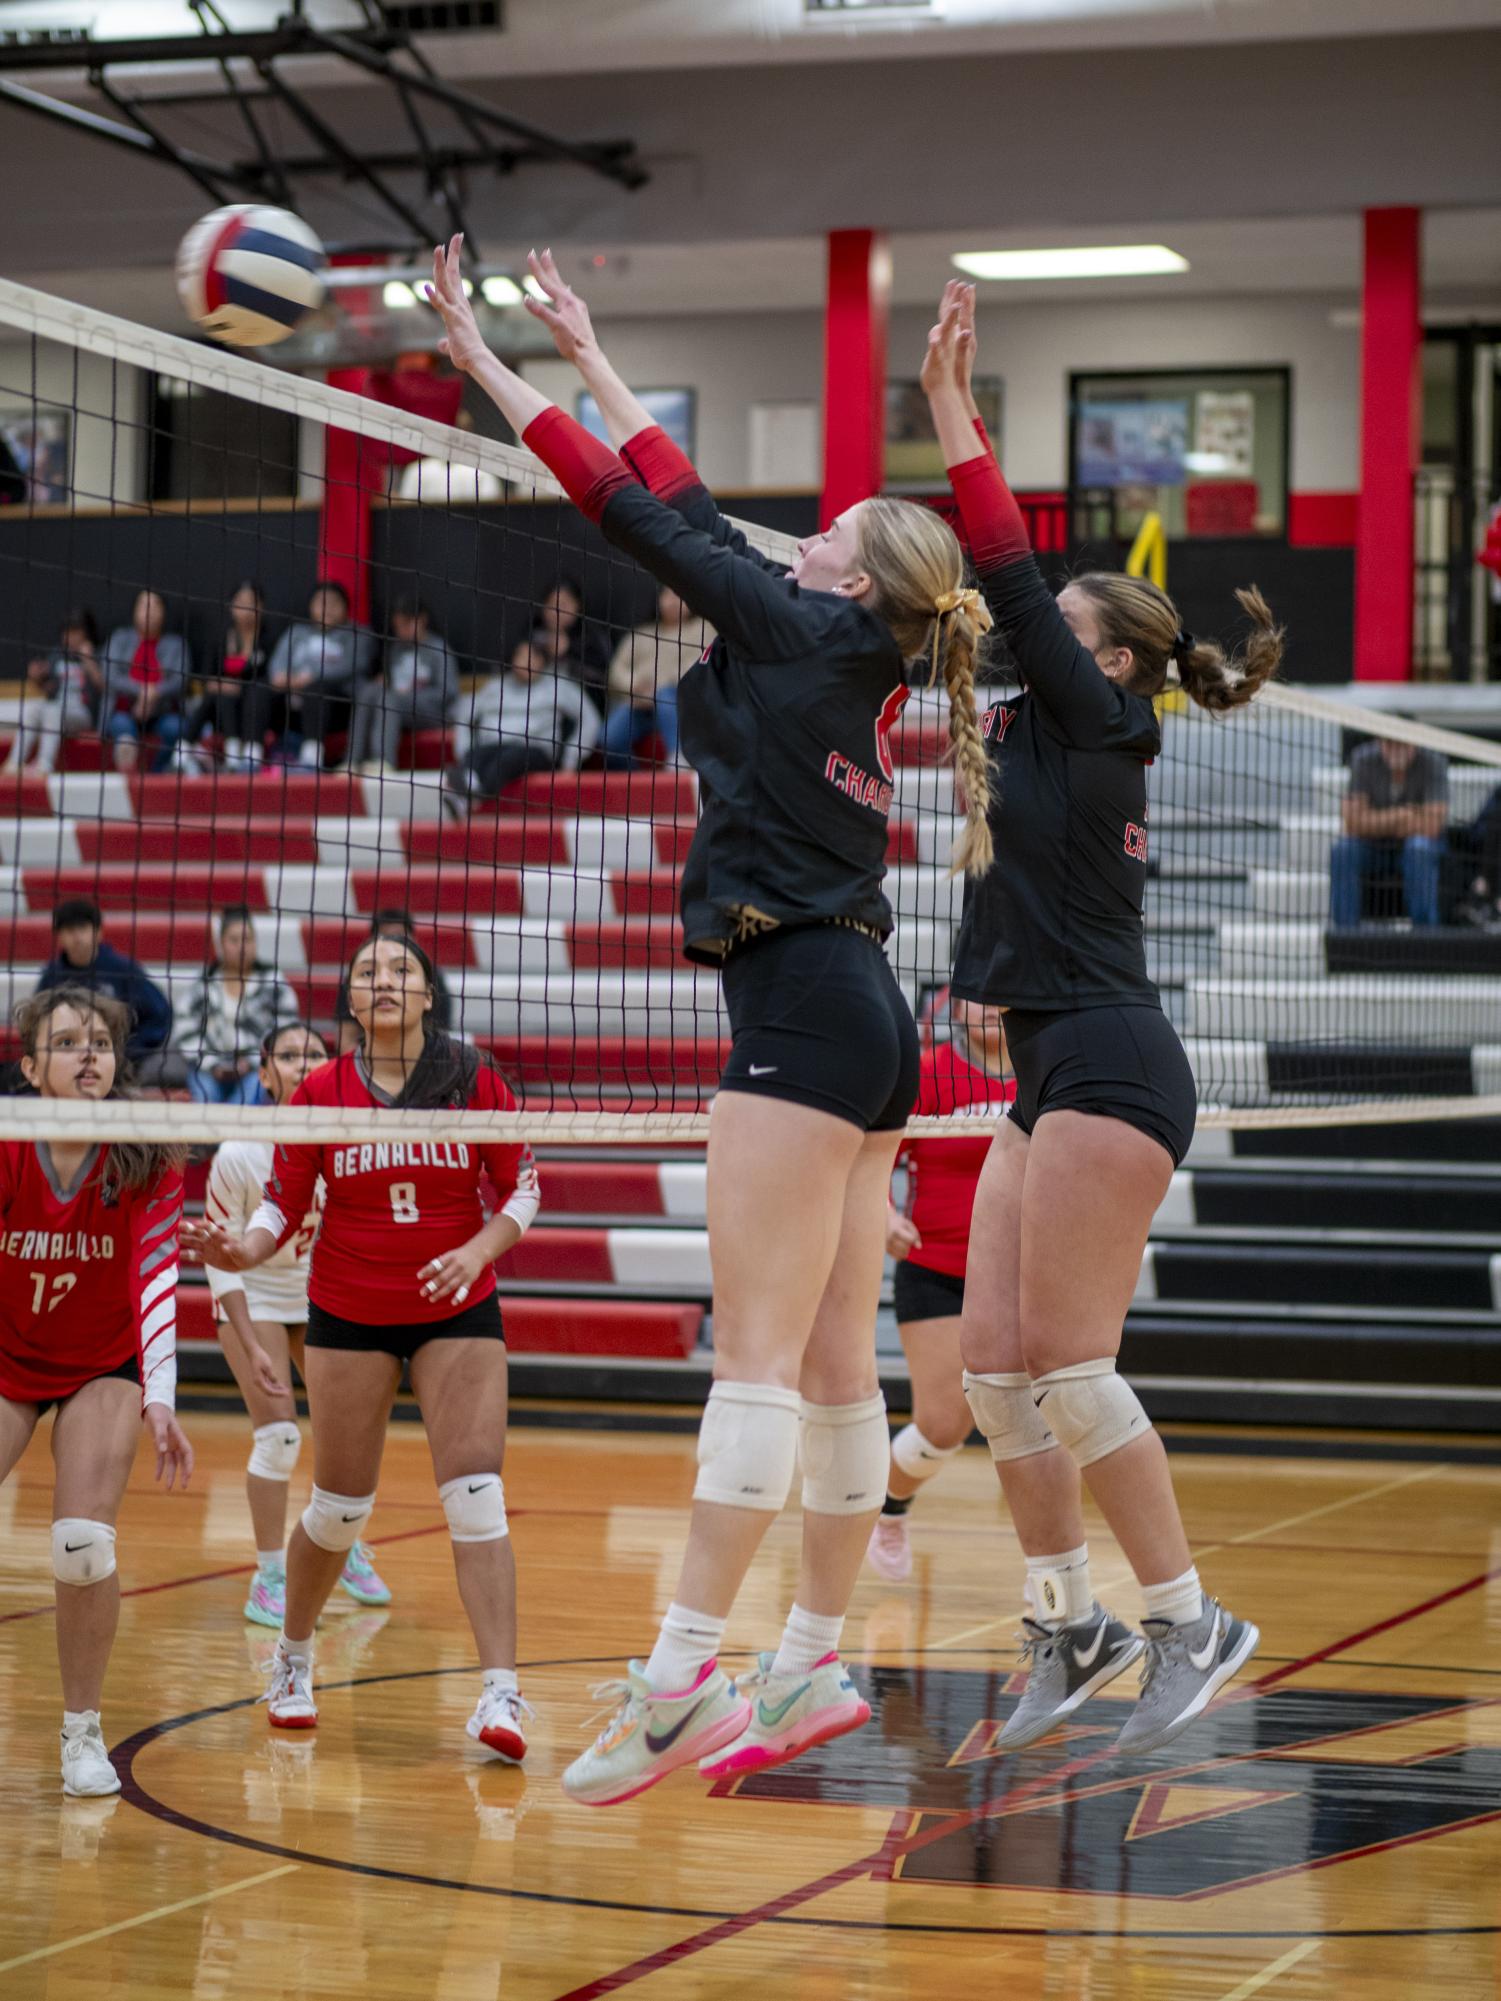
(404, 1202)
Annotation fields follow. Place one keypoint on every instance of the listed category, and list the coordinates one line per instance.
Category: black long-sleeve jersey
(1057, 922)
(786, 720)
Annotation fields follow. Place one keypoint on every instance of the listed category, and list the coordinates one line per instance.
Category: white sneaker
(87, 1771)
(289, 1695)
(498, 1723)
(890, 1551)
(311, 753)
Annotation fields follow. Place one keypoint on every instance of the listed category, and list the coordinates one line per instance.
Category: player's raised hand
(942, 368)
(174, 1455)
(968, 339)
(562, 312)
(463, 342)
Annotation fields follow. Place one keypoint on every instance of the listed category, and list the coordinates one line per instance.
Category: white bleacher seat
(1352, 1008)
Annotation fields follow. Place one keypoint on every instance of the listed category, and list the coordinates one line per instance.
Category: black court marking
(124, 1756)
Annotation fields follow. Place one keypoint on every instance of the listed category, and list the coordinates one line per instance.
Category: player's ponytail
(1134, 613)
(917, 567)
(130, 1166)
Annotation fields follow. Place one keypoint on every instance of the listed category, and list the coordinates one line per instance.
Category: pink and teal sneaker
(267, 1602)
(360, 1580)
(789, 1713)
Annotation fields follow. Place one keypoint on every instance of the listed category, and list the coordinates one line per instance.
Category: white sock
(686, 1644)
(297, 1650)
(77, 1721)
(501, 1681)
(1058, 1588)
(807, 1637)
(271, 1559)
(1180, 1601)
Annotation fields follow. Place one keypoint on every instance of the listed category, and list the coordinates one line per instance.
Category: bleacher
(553, 918)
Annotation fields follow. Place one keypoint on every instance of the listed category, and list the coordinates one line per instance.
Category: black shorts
(818, 1018)
(128, 1371)
(403, 1338)
(920, 1294)
(1116, 1062)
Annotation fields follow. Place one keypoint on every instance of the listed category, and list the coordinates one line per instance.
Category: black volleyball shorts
(818, 1019)
(920, 1294)
(1116, 1062)
(481, 1321)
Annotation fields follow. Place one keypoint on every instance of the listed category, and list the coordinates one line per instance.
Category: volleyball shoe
(890, 1551)
(266, 1604)
(649, 1735)
(499, 1723)
(1067, 1665)
(87, 1771)
(289, 1691)
(360, 1579)
(1184, 1669)
(789, 1713)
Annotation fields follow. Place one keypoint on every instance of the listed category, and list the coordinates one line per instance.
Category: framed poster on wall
(913, 457)
(673, 409)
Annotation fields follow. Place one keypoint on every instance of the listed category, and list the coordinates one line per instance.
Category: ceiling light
(1105, 260)
(500, 291)
(535, 290)
(396, 295)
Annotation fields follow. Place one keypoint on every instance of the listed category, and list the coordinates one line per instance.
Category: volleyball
(250, 275)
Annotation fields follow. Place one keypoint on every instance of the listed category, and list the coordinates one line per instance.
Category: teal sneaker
(789, 1713)
(360, 1580)
(267, 1602)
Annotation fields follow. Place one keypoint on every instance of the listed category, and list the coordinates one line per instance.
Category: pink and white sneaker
(789, 1713)
(289, 1698)
(890, 1551)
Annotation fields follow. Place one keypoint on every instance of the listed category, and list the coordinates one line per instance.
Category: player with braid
(787, 722)
(1105, 1104)
(88, 1323)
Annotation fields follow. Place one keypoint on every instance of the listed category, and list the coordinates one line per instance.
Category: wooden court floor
(1332, 1829)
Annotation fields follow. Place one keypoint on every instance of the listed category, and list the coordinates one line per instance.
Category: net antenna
(482, 137)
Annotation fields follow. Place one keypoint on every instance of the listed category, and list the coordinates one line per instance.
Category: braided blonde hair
(917, 569)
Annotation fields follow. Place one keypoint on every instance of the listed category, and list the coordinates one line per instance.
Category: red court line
(890, 1852)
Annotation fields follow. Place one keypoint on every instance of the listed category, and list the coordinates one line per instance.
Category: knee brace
(274, 1453)
(846, 1455)
(1093, 1412)
(918, 1457)
(334, 1521)
(475, 1505)
(747, 1446)
(83, 1552)
(1004, 1412)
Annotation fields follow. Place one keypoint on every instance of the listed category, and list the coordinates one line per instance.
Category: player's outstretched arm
(566, 317)
(518, 402)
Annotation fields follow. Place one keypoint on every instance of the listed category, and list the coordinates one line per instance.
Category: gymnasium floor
(1334, 1828)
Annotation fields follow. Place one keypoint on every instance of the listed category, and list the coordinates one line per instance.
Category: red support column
(1390, 438)
(854, 369)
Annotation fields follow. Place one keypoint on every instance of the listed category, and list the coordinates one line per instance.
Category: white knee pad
(747, 1446)
(1093, 1412)
(1004, 1412)
(475, 1505)
(334, 1521)
(918, 1457)
(83, 1552)
(846, 1455)
(274, 1453)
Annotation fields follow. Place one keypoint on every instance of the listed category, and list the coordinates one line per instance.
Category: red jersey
(389, 1209)
(85, 1284)
(941, 1173)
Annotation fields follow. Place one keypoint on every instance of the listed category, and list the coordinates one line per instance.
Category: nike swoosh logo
(478, 1486)
(351, 1518)
(72, 1548)
(1211, 1647)
(661, 1740)
(763, 1069)
(1087, 1658)
(771, 1714)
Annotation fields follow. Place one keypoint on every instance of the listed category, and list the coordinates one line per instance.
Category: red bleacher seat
(655, 941)
(86, 753)
(609, 1061)
(673, 841)
(645, 892)
(159, 937)
(502, 842)
(248, 796)
(459, 889)
(195, 1314)
(921, 740)
(317, 994)
(333, 941)
(601, 1327)
(213, 841)
(24, 795)
(572, 1256)
(126, 888)
(424, 750)
(659, 794)
(602, 1188)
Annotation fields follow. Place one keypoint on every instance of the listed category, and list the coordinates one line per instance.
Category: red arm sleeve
(588, 471)
(658, 463)
(993, 524)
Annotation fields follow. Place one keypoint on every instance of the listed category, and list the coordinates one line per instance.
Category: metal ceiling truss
(497, 142)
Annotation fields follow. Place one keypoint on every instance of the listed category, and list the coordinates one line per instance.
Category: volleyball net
(484, 752)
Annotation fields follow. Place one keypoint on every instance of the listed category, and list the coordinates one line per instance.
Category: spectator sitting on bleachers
(644, 673)
(415, 689)
(1394, 813)
(1481, 903)
(392, 923)
(530, 718)
(146, 671)
(316, 665)
(235, 702)
(62, 694)
(569, 642)
(226, 1014)
(82, 958)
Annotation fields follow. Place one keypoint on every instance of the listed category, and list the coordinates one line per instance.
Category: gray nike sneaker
(1185, 1668)
(1068, 1663)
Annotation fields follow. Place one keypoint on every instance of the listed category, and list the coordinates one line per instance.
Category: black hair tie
(1184, 643)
